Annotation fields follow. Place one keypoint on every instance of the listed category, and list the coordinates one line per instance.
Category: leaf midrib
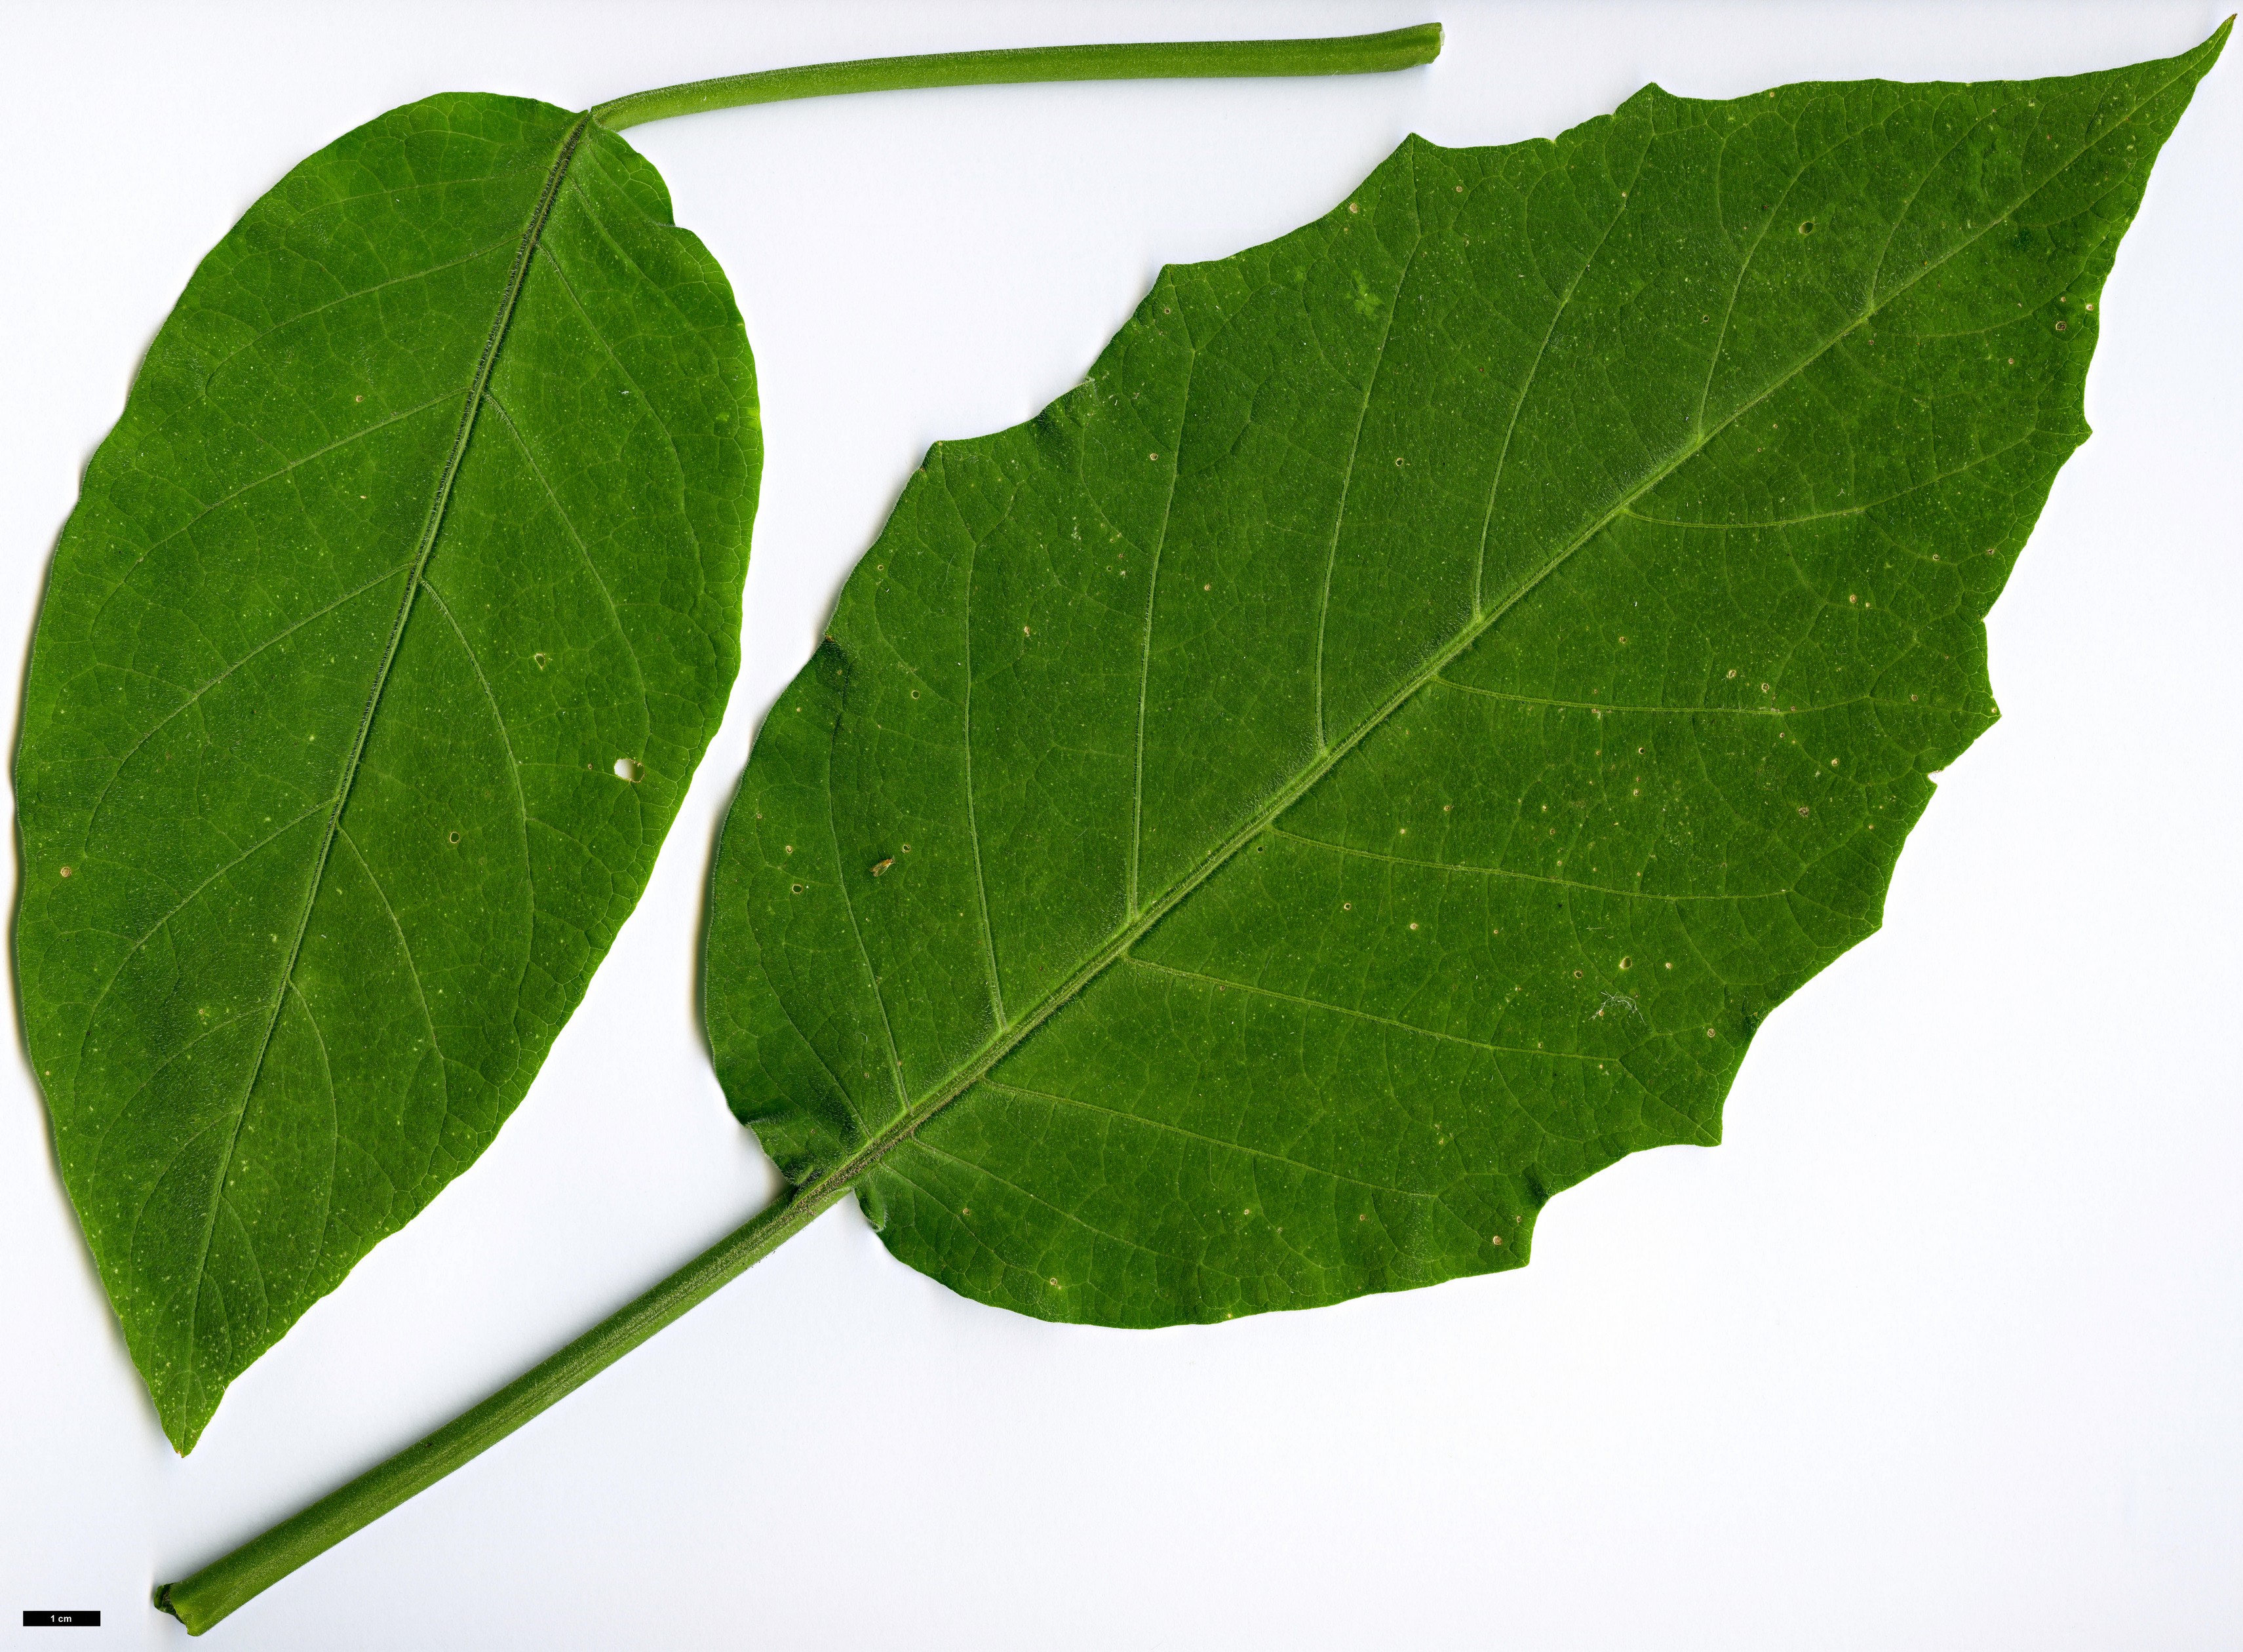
(825, 1189)
(532, 233)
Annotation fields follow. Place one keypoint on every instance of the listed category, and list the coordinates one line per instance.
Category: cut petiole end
(1370, 54)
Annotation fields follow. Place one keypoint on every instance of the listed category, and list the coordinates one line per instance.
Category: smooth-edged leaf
(1373, 754)
(392, 618)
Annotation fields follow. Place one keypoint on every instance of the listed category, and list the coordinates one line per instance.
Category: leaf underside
(392, 618)
(1371, 755)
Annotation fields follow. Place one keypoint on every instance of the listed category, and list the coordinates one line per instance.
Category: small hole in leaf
(798, 888)
(455, 837)
(1807, 228)
(629, 769)
(541, 658)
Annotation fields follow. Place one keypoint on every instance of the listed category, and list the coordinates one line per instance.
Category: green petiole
(233, 1580)
(1150, 60)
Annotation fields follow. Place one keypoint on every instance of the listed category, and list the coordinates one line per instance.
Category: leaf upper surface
(393, 619)
(1373, 754)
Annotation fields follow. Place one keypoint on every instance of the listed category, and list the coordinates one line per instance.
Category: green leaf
(394, 615)
(1373, 754)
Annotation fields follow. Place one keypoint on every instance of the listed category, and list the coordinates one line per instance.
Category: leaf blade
(1236, 958)
(328, 687)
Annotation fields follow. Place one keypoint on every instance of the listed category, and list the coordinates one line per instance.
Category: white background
(1942, 1350)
